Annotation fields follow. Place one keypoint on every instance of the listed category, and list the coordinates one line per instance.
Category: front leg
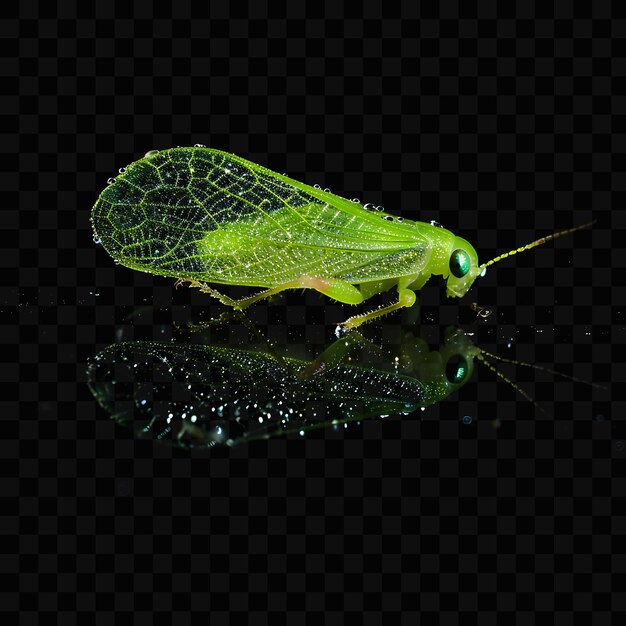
(406, 298)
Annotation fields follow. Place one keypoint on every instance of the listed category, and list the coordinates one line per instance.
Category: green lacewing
(206, 216)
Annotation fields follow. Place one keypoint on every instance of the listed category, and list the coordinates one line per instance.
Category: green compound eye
(456, 369)
(460, 263)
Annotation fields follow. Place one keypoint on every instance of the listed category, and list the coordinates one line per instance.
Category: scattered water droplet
(151, 152)
(199, 145)
(317, 186)
(218, 434)
(389, 218)
(97, 240)
(340, 331)
(483, 272)
(110, 181)
(369, 206)
(326, 189)
(436, 224)
(399, 219)
(121, 170)
(466, 419)
(356, 200)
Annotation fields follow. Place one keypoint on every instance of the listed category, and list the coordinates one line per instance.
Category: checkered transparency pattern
(503, 130)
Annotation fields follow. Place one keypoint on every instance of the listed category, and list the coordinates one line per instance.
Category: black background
(504, 124)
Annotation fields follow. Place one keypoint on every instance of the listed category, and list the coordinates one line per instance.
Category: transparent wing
(198, 212)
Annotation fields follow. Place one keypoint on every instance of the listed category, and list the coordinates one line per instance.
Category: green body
(211, 217)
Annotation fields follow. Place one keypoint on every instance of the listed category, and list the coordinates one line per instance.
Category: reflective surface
(205, 388)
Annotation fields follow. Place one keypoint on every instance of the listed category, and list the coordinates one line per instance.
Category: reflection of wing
(202, 395)
(200, 212)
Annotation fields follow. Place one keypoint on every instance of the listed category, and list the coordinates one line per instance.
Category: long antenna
(528, 246)
(507, 380)
(543, 369)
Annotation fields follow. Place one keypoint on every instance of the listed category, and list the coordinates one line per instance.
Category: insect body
(206, 216)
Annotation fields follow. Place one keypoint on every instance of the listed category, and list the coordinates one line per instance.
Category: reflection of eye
(456, 369)
(459, 263)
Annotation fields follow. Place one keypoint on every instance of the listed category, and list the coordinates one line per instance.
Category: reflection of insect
(201, 395)
(206, 216)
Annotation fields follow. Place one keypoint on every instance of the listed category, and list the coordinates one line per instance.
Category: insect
(205, 216)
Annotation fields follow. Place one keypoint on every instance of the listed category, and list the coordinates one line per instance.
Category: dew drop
(436, 224)
(399, 219)
(357, 200)
(317, 186)
(121, 170)
(340, 331)
(151, 152)
(326, 189)
(369, 206)
(110, 181)
(389, 218)
(199, 145)
(97, 240)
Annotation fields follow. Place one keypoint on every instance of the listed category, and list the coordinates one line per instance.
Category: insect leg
(406, 298)
(204, 288)
(334, 288)
(337, 353)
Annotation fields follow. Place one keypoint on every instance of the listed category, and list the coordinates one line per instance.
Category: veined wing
(198, 212)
